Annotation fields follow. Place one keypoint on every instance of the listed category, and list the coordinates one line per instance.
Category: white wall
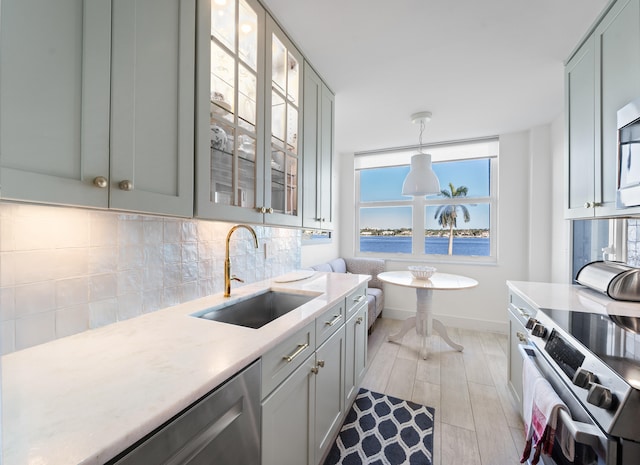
(525, 197)
(560, 228)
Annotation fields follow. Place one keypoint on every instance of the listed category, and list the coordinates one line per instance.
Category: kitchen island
(85, 398)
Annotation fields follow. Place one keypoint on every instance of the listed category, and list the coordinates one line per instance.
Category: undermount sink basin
(258, 310)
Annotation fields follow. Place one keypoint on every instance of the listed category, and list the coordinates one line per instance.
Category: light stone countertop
(572, 297)
(85, 398)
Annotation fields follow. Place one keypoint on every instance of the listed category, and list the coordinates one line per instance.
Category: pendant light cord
(420, 138)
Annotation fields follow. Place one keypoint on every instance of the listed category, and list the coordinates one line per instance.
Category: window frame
(418, 216)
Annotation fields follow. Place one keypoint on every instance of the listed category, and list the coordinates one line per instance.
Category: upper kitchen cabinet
(248, 116)
(152, 106)
(97, 103)
(230, 111)
(54, 100)
(318, 152)
(601, 77)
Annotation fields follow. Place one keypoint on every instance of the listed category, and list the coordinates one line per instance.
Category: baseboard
(452, 321)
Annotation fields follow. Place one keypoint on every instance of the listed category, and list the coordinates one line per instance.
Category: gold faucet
(227, 263)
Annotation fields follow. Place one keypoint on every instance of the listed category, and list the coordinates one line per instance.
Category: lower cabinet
(356, 352)
(519, 312)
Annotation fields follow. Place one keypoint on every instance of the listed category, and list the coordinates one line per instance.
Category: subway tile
(34, 266)
(152, 277)
(129, 305)
(33, 233)
(189, 272)
(7, 269)
(129, 281)
(152, 300)
(71, 230)
(189, 252)
(35, 329)
(189, 231)
(35, 298)
(103, 286)
(130, 256)
(103, 229)
(70, 263)
(171, 230)
(172, 274)
(72, 320)
(6, 235)
(152, 232)
(129, 230)
(172, 252)
(171, 296)
(103, 260)
(73, 291)
(7, 303)
(103, 312)
(190, 291)
(7, 337)
(153, 255)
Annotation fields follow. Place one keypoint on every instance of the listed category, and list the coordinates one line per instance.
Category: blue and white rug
(384, 430)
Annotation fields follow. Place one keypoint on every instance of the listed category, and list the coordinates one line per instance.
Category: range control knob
(584, 378)
(600, 396)
(530, 323)
(539, 330)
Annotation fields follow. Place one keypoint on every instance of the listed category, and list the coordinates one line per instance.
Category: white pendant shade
(421, 179)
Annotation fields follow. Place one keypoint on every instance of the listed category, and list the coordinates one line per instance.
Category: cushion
(378, 297)
(338, 265)
(370, 266)
(322, 267)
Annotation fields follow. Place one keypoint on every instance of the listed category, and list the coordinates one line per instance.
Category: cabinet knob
(359, 320)
(320, 363)
(100, 181)
(588, 204)
(269, 210)
(521, 336)
(314, 370)
(262, 210)
(125, 185)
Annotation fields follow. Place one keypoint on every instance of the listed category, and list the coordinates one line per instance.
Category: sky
(386, 184)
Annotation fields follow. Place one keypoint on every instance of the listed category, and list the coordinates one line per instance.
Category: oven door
(592, 445)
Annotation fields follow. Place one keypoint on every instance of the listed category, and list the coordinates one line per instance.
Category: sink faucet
(227, 263)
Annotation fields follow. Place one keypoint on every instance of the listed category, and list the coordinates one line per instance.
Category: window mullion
(418, 226)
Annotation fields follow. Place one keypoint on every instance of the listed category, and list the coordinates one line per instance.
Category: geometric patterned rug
(384, 430)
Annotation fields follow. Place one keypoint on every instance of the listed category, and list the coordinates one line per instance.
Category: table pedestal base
(424, 324)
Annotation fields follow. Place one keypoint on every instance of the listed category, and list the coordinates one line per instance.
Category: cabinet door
(325, 185)
(517, 336)
(230, 160)
(287, 419)
(330, 361)
(54, 94)
(311, 216)
(617, 46)
(152, 106)
(580, 126)
(356, 353)
(284, 91)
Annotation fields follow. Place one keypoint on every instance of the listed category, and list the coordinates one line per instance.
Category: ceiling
(483, 68)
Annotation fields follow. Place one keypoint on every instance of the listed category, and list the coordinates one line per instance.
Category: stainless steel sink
(258, 310)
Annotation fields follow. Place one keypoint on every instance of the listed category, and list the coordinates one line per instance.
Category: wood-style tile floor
(476, 421)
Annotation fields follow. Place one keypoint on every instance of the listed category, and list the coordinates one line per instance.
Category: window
(456, 225)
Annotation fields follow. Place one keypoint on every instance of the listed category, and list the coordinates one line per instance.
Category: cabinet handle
(591, 204)
(320, 363)
(359, 320)
(359, 299)
(521, 336)
(298, 351)
(336, 318)
(523, 313)
(314, 370)
(125, 185)
(100, 181)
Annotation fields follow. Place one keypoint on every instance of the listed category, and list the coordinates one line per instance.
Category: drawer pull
(336, 318)
(359, 320)
(359, 299)
(320, 363)
(523, 313)
(521, 336)
(299, 350)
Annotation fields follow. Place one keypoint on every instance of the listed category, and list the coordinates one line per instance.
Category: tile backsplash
(67, 270)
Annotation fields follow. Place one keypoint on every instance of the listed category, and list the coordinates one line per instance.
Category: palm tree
(447, 214)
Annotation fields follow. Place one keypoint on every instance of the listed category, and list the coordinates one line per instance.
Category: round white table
(424, 321)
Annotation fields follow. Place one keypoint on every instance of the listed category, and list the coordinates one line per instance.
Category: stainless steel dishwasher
(222, 428)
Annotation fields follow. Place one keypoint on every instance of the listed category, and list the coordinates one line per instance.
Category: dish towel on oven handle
(541, 408)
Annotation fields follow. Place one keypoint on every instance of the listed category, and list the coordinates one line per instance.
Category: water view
(469, 246)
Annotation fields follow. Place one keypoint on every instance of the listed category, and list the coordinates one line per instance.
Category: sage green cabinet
(97, 103)
(601, 77)
(356, 351)
(54, 100)
(319, 103)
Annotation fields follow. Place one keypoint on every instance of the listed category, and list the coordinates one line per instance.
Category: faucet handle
(235, 278)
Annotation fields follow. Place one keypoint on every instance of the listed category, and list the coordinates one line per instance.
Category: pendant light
(421, 179)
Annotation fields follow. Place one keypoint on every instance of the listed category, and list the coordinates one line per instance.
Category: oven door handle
(582, 433)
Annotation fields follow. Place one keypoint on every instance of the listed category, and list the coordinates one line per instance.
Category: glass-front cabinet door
(231, 123)
(284, 127)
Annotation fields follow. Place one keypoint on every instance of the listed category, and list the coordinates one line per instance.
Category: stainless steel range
(591, 356)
